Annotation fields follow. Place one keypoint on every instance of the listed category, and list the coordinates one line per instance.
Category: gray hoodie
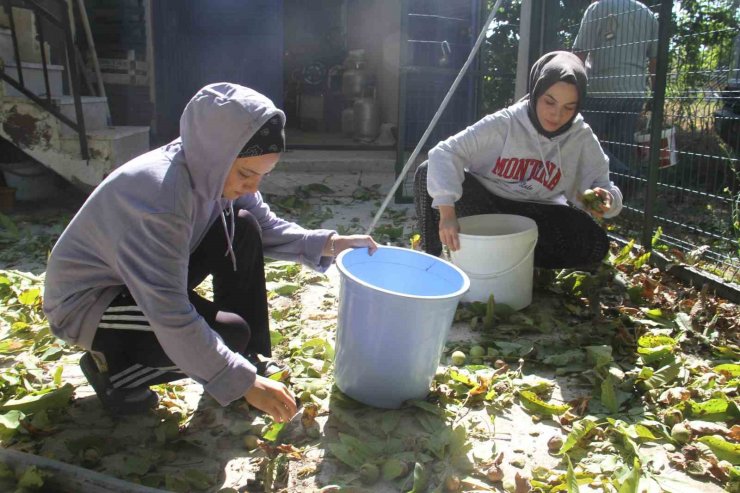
(511, 159)
(140, 225)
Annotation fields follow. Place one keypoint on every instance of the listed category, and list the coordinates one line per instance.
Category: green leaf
(731, 369)
(580, 430)
(650, 355)
(664, 376)
(723, 449)
(564, 358)
(10, 423)
(346, 455)
(134, 464)
(571, 482)
(286, 289)
(31, 479)
(632, 483)
(652, 340)
(421, 479)
(459, 444)
(714, 410)
(430, 408)
(29, 297)
(389, 421)
(58, 375)
(51, 400)
(273, 431)
(599, 355)
(532, 403)
(608, 395)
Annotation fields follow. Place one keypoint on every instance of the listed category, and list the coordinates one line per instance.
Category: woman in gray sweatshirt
(535, 158)
(120, 280)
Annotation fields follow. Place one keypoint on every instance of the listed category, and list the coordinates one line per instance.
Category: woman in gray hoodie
(120, 280)
(535, 158)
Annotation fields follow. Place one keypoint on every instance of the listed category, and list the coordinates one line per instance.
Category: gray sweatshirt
(140, 225)
(507, 155)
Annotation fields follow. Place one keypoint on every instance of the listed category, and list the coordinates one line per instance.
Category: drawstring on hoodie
(544, 162)
(229, 234)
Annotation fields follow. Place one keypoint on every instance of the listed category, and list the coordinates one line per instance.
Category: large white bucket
(395, 311)
(497, 253)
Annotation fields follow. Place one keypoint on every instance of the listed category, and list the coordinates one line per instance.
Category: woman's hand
(602, 205)
(449, 228)
(272, 397)
(342, 242)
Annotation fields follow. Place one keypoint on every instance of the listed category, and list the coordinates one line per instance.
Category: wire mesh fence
(664, 100)
(689, 189)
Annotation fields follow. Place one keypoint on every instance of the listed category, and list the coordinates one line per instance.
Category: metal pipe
(435, 118)
(75, 86)
(44, 67)
(14, 37)
(657, 120)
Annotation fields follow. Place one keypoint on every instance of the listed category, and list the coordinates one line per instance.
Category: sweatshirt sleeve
(593, 173)
(285, 240)
(473, 149)
(152, 259)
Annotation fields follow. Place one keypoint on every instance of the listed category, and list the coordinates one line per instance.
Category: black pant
(567, 237)
(238, 312)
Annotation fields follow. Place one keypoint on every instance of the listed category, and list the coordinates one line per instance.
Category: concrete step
(33, 78)
(94, 110)
(112, 146)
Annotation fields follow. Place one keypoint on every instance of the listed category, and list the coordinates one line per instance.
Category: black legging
(239, 312)
(567, 237)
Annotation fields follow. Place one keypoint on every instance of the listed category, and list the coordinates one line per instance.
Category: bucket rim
(458, 293)
(510, 235)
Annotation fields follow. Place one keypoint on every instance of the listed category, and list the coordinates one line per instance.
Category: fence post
(656, 126)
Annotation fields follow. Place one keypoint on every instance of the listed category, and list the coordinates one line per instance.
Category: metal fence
(675, 64)
(663, 99)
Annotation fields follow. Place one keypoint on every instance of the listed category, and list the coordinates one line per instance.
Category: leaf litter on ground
(623, 380)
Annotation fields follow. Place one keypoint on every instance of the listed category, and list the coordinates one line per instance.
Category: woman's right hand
(449, 227)
(272, 397)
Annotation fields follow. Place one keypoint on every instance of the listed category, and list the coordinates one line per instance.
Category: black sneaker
(267, 367)
(116, 401)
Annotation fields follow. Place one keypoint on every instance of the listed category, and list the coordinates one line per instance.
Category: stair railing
(62, 22)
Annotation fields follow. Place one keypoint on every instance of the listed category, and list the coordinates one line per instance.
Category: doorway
(340, 73)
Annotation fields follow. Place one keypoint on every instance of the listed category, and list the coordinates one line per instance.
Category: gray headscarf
(556, 66)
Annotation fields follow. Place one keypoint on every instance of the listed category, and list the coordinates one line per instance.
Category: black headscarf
(268, 139)
(556, 66)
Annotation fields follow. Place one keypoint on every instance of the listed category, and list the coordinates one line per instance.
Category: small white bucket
(497, 253)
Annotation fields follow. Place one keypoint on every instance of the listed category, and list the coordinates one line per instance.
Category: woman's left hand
(342, 242)
(606, 202)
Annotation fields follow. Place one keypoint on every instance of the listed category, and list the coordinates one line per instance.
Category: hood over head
(215, 126)
(553, 67)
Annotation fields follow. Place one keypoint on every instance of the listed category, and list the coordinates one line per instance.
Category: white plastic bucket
(395, 311)
(497, 253)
